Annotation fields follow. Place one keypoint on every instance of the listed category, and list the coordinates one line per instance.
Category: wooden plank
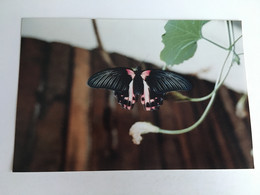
(59, 71)
(126, 153)
(51, 128)
(240, 134)
(150, 155)
(99, 134)
(48, 151)
(208, 154)
(181, 122)
(33, 56)
(173, 115)
(192, 141)
(78, 129)
(223, 131)
(173, 158)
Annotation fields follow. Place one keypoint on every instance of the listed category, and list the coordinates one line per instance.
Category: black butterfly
(129, 84)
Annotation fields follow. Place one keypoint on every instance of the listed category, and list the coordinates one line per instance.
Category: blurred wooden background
(63, 125)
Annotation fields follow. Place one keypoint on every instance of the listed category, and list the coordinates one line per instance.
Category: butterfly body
(129, 85)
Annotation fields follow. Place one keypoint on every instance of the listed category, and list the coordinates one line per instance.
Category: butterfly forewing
(113, 78)
(161, 81)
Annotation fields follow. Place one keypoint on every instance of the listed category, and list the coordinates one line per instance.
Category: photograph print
(118, 94)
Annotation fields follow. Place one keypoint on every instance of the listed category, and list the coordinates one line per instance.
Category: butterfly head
(137, 69)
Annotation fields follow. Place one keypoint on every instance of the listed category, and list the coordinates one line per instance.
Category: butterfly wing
(118, 79)
(157, 83)
(161, 81)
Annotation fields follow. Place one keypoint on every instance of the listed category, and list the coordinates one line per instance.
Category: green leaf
(180, 40)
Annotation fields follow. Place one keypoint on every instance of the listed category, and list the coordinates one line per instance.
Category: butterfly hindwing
(152, 101)
(124, 100)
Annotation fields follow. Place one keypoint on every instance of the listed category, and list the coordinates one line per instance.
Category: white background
(124, 182)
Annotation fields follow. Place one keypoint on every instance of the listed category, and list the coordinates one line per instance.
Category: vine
(177, 50)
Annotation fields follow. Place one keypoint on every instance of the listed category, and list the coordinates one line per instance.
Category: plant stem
(174, 132)
(231, 46)
(218, 83)
(233, 33)
(214, 43)
(229, 32)
(209, 95)
(164, 67)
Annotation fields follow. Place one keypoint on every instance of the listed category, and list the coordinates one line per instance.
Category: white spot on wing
(131, 92)
(146, 95)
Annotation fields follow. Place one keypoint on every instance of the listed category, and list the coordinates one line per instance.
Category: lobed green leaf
(180, 40)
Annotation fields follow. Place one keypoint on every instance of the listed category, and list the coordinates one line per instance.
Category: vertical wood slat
(150, 155)
(52, 125)
(171, 150)
(33, 56)
(99, 136)
(58, 72)
(48, 151)
(240, 129)
(218, 118)
(210, 147)
(78, 128)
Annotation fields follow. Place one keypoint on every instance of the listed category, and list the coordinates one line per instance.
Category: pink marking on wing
(131, 73)
(148, 108)
(145, 74)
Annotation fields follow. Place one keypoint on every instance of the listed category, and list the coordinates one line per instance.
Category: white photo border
(124, 182)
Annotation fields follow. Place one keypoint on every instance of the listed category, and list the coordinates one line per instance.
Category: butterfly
(130, 84)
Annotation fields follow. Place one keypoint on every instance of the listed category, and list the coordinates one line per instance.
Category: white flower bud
(241, 111)
(140, 128)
